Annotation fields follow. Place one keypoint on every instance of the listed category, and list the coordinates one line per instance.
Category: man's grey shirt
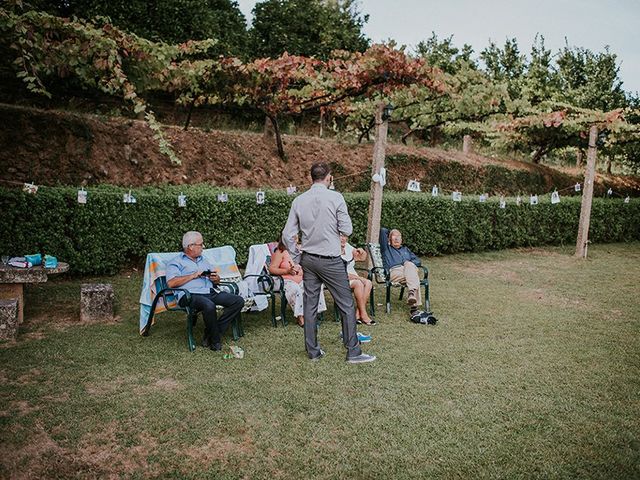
(320, 215)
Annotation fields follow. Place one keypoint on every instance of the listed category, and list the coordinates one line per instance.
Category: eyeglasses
(197, 245)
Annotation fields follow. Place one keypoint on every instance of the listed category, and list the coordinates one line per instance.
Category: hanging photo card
(434, 191)
(609, 192)
(413, 186)
(626, 199)
(222, 197)
(503, 204)
(555, 197)
(182, 201)
(260, 198)
(291, 190)
(30, 188)
(128, 198)
(331, 186)
(577, 187)
(533, 200)
(380, 177)
(82, 196)
(456, 196)
(483, 198)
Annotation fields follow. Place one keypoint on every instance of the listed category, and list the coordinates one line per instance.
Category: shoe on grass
(362, 358)
(315, 359)
(416, 316)
(362, 337)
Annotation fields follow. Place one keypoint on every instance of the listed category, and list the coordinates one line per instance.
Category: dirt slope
(62, 148)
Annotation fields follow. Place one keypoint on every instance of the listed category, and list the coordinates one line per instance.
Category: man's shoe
(362, 337)
(412, 298)
(216, 347)
(362, 358)
(416, 316)
(315, 359)
(206, 342)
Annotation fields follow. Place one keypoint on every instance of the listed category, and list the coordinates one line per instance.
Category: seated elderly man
(191, 271)
(402, 264)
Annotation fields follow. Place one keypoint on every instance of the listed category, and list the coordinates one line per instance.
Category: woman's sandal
(362, 322)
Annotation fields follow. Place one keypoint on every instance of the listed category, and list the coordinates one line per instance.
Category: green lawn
(533, 371)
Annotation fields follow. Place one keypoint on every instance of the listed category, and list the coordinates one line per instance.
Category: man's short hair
(319, 171)
(190, 238)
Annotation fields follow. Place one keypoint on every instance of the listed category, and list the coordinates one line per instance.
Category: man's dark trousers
(333, 273)
(206, 303)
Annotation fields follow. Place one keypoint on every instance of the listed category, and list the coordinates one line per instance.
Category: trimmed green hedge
(105, 234)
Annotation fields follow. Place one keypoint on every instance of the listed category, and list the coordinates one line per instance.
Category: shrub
(105, 234)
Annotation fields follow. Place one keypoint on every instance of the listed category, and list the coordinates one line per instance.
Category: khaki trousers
(407, 273)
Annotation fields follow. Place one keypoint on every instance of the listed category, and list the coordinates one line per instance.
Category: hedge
(105, 234)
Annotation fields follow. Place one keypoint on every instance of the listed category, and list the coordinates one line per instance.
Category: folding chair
(380, 273)
(166, 299)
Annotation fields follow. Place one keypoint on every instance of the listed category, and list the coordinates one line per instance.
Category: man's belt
(325, 257)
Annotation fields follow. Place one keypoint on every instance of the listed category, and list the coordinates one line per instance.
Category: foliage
(101, 236)
(98, 57)
(444, 55)
(169, 21)
(310, 28)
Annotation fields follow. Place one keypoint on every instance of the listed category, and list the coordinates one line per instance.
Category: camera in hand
(206, 273)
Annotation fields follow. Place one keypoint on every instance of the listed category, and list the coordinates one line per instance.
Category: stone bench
(9, 319)
(96, 302)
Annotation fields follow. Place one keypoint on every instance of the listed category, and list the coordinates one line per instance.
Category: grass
(532, 372)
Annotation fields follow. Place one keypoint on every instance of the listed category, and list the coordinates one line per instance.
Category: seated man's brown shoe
(412, 298)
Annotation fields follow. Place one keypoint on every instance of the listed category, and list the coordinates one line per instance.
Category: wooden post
(587, 196)
(375, 193)
(467, 144)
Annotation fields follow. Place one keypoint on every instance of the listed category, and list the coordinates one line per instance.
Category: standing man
(320, 215)
(191, 271)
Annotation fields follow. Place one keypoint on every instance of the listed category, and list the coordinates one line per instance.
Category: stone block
(96, 302)
(8, 319)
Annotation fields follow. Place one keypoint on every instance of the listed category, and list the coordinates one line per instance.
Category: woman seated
(291, 273)
(361, 286)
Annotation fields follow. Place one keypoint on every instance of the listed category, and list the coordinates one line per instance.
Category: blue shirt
(391, 256)
(182, 265)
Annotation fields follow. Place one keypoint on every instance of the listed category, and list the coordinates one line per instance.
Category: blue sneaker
(362, 337)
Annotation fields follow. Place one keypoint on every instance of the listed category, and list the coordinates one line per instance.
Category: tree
(444, 55)
(310, 28)
(170, 21)
(590, 80)
(505, 64)
(540, 82)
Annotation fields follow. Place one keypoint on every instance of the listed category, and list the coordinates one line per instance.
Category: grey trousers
(333, 273)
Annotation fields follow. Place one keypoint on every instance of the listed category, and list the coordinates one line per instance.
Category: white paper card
(577, 187)
(482, 198)
(223, 197)
(260, 198)
(413, 186)
(626, 199)
(518, 200)
(533, 200)
(182, 200)
(30, 188)
(128, 198)
(434, 191)
(82, 196)
(291, 190)
(456, 196)
(503, 204)
(555, 197)
(609, 192)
